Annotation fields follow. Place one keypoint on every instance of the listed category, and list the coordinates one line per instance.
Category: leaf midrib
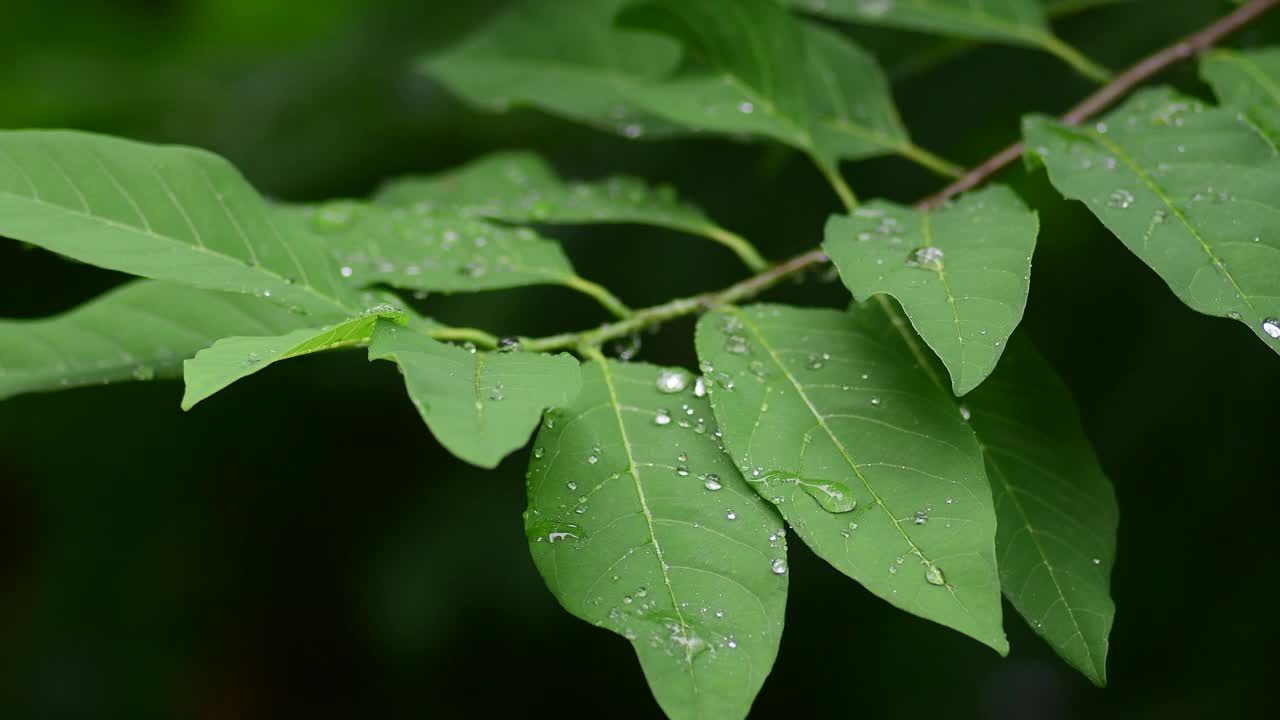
(616, 406)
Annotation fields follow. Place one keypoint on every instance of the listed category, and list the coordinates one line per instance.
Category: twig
(1112, 91)
(1095, 103)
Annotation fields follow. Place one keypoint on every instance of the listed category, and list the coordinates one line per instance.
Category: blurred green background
(299, 546)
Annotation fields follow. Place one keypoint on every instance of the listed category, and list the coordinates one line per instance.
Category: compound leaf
(480, 406)
(640, 524)
(165, 212)
(233, 358)
(1249, 82)
(960, 271)
(1194, 192)
(140, 331)
(863, 455)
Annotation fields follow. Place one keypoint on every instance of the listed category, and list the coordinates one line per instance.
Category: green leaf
(419, 248)
(140, 331)
(1016, 22)
(640, 524)
(562, 56)
(961, 271)
(170, 213)
(816, 412)
(521, 187)
(233, 358)
(1193, 192)
(1055, 507)
(740, 75)
(1247, 81)
(480, 406)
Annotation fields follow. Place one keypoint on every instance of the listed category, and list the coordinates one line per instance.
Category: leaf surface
(233, 358)
(1194, 192)
(640, 524)
(1055, 507)
(480, 406)
(861, 453)
(1247, 81)
(170, 213)
(1021, 22)
(961, 272)
(139, 331)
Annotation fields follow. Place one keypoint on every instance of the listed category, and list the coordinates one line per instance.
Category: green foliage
(642, 526)
(960, 272)
(1192, 190)
(659, 498)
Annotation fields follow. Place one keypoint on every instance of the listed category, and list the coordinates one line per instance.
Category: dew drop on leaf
(712, 483)
(833, 497)
(1271, 326)
(662, 417)
(926, 258)
(672, 381)
(933, 574)
(779, 566)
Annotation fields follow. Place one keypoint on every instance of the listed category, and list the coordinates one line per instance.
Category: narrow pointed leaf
(1194, 192)
(233, 358)
(641, 525)
(1056, 509)
(418, 248)
(564, 57)
(521, 187)
(480, 406)
(961, 271)
(170, 213)
(140, 331)
(820, 416)
(1249, 82)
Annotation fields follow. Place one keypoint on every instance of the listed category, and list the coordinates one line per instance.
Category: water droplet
(672, 381)
(1097, 561)
(682, 470)
(662, 417)
(144, 372)
(627, 600)
(1271, 326)
(834, 497)
(779, 566)
(921, 517)
(592, 459)
(875, 400)
(683, 457)
(508, 344)
(346, 271)
(965, 413)
(933, 574)
(737, 344)
(633, 130)
(746, 108)
(496, 395)
(1120, 199)
(926, 258)
(713, 483)
(699, 387)
(539, 452)
(732, 516)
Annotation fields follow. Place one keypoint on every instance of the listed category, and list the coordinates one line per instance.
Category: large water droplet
(713, 483)
(926, 258)
(672, 381)
(834, 497)
(779, 566)
(1271, 326)
(933, 574)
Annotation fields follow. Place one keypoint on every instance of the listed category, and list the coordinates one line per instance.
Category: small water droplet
(539, 452)
(746, 108)
(875, 400)
(732, 516)
(662, 417)
(682, 470)
(712, 482)
(1120, 199)
(921, 517)
(965, 413)
(346, 271)
(699, 387)
(737, 344)
(779, 566)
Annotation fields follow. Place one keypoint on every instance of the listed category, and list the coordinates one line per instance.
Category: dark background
(299, 546)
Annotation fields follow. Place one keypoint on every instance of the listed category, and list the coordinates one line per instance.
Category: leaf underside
(480, 406)
(640, 524)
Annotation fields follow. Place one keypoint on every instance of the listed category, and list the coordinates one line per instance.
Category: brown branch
(1111, 92)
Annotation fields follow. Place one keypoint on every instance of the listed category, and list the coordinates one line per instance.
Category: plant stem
(601, 294)
(1076, 59)
(586, 341)
(740, 247)
(928, 160)
(479, 338)
(1144, 70)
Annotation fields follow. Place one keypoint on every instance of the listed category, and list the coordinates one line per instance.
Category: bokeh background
(299, 546)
